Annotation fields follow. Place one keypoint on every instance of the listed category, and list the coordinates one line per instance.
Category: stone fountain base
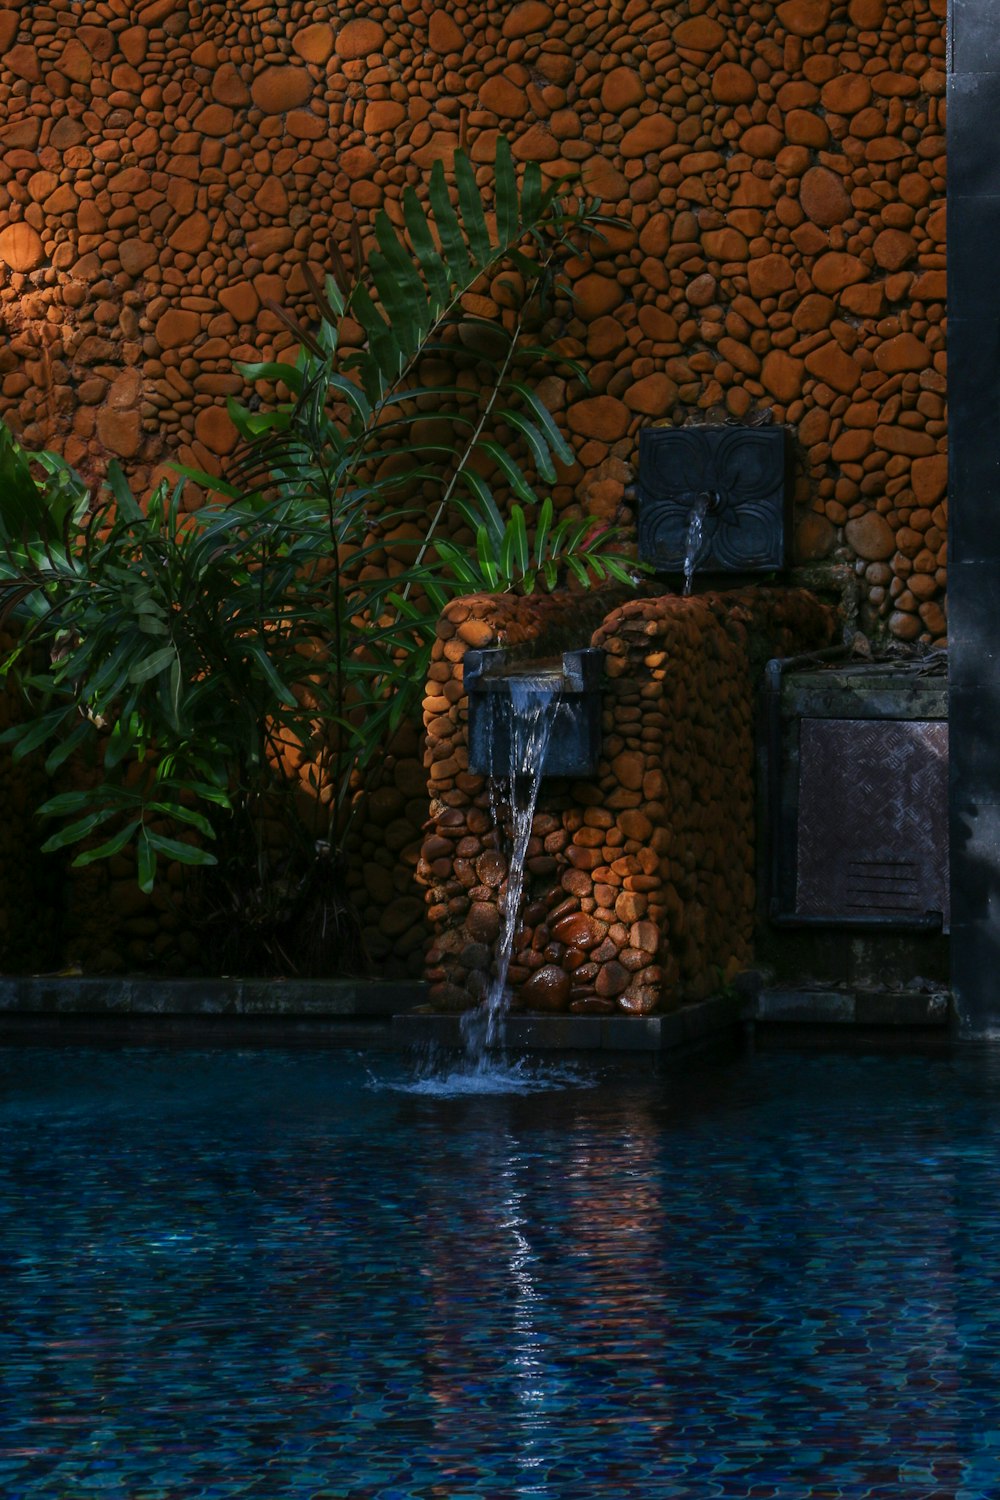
(691, 1028)
(640, 880)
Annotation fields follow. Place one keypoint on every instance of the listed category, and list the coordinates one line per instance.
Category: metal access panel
(872, 833)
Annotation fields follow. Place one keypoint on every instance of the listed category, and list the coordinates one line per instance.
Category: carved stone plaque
(738, 476)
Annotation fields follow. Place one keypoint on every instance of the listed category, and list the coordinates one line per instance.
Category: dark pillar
(974, 527)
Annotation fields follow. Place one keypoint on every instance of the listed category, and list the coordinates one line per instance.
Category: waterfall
(532, 708)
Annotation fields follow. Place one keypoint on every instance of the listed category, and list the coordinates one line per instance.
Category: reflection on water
(255, 1274)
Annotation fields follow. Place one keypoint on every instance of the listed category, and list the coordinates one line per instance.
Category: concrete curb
(62, 995)
(882, 1008)
(385, 1013)
(210, 1012)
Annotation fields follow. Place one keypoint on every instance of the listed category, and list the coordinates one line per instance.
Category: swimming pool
(274, 1274)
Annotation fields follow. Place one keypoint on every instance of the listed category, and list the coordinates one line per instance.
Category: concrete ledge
(59, 995)
(87, 1029)
(387, 1009)
(874, 1008)
(688, 1028)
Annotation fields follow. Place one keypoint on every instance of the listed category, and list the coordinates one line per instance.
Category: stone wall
(384, 853)
(640, 887)
(777, 167)
(108, 926)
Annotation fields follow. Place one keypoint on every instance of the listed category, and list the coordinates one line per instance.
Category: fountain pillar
(639, 880)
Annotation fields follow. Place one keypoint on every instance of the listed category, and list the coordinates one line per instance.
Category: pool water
(287, 1274)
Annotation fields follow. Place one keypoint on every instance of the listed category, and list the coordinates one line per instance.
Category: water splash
(532, 706)
(695, 536)
(483, 1079)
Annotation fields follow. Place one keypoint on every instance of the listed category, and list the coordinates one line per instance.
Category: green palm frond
(576, 546)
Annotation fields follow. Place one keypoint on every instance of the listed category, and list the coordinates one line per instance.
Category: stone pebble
(640, 882)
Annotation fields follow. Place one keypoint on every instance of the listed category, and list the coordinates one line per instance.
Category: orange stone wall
(777, 167)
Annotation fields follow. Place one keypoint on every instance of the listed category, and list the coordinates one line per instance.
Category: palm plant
(201, 658)
(388, 450)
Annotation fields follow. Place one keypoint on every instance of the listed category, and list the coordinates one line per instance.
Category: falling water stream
(533, 704)
(694, 537)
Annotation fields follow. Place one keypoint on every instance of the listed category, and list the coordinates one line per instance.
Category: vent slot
(883, 885)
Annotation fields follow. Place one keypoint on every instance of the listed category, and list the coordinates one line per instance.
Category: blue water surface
(287, 1274)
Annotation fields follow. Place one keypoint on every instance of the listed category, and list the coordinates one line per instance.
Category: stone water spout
(712, 498)
(574, 744)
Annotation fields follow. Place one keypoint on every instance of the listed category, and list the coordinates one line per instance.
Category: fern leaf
(560, 447)
(531, 193)
(542, 525)
(399, 285)
(471, 204)
(424, 248)
(540, 454)
(511, 471)
(397, 306)
(507, 556)
(487, 558)
(342, 277)
(505, 180)
(487, 513)
(456, 257)
(519, 532)
(384, 360)
(303, 335)
(327, 296)
(548, 356)
(353, 395)
(461, 565)
(622, 568)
